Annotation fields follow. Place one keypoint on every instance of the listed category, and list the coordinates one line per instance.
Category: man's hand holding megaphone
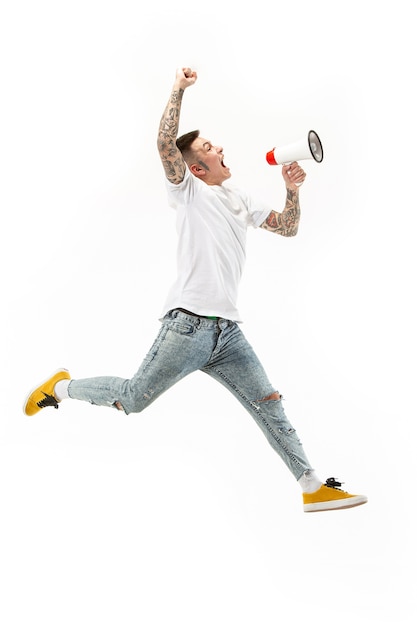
(293, 175)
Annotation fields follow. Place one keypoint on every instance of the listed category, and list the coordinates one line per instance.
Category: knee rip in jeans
(272, 396)
(118, 406)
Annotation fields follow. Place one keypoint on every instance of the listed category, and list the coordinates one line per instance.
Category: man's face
(208, 163)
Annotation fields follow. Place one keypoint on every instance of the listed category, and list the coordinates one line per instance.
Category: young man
(200, 321)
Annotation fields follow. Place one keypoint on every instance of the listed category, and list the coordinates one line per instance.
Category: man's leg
(180, 348)
(236, 366)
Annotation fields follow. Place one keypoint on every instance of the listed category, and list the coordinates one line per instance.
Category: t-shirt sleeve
(183, 192)
(258, 211)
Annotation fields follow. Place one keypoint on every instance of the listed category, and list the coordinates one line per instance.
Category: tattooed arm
(171, 157)
(286, 223)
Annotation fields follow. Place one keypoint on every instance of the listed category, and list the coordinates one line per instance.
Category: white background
(183, 514)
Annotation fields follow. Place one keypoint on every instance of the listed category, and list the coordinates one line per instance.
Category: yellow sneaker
(330, 497)
(43, 395)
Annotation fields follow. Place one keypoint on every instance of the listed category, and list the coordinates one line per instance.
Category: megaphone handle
(289, 163)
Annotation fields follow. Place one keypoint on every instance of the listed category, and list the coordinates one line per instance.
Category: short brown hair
(184, 144)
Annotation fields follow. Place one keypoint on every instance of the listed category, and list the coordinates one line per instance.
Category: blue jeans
(185, 344)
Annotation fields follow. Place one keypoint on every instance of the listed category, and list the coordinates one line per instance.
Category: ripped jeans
(185, 344)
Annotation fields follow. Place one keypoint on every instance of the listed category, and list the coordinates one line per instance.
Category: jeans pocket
(182, 327)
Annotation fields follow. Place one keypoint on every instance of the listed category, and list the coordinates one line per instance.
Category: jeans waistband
(206, 317)
(201, 320)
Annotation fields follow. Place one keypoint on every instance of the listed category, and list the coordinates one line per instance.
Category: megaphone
(309, 148)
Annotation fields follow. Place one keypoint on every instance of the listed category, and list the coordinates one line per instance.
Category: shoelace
(47, 401)
(334, 483)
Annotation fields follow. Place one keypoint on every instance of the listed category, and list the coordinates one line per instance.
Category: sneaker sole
(61, 369)
(334, 505)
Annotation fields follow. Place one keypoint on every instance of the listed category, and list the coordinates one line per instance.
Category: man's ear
(197, 170)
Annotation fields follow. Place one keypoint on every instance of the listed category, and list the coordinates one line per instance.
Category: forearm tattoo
(285, 223)
(168, 130)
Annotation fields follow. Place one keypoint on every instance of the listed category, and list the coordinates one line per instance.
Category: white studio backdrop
(183, 514)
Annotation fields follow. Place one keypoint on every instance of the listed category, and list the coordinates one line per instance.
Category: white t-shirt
(212, 221)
